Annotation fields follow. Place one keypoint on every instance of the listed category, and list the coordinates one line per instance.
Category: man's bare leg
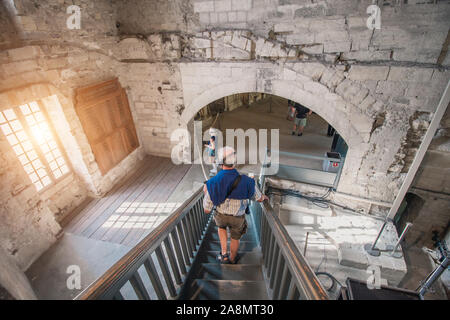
(234, 246)
(223, 240)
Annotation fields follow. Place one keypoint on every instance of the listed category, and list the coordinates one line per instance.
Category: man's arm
(207, 203)
(259, 196)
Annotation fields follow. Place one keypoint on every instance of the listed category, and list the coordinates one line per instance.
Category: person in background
(212, 153)
(301, 114)
(229, 194)
(291, 110)
(330, 131)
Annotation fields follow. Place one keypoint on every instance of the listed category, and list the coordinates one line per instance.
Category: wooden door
(106, 118)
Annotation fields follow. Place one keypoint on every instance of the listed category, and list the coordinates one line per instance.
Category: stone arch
(328, 105)
(204, 83)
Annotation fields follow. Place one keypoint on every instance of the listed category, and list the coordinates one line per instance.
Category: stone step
(217, 271)
(228, 290)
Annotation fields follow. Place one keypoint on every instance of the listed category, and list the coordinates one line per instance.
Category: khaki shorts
(237, 225)
(300, 122)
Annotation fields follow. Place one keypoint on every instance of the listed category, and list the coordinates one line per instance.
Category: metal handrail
(289, 274)
(311, 157)
(186, 226)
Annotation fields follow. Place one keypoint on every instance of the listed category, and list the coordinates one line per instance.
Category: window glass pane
(39, 116)
(15, 125)
(36, 164)
(28, 168)
(22, 136)
(2, 118)
(52, 144)
(25, 109)
(56, 153)
(18, 150)
(34, 177)
(39, 186)
(49, 157)
(41, 172)
(34, 106)
(60, 161)
(6, 129)
(27, 145)
(12, 139)
(53, 165)
(45, 148)
(23, 159)
(64, 169)
(46, 181)
(32, 155)
(57, 173)
(9, 114)
(30, 119)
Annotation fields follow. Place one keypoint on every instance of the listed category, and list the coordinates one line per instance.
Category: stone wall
(378, 88)
(42, 59)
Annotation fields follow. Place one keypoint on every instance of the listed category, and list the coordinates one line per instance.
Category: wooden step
(228, 290)
(213, 235)
(217, 271)
(247, 257)
(243, 246)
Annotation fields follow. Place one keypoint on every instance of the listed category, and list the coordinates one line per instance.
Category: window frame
(36, 147)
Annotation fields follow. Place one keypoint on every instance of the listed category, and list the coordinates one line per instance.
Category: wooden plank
(127, 195)
(159, 195)
(74, 213)
(106, 201)
(113, 192)
(89, 213)
(151, 181)
(158, 185)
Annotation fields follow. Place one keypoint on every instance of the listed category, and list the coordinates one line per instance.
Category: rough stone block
(222, 5)
(315, 49)
(204, 17)
(242, 5)
(366, 55)
(223, 17)
(331, 47)
(300, 38)
(331, 35)
(204, 6)
(410, 74)
(316, 88)
(241, 16)
(232, 16)
(350, 256)
(24, 53)
(368, 73)
(331, 78)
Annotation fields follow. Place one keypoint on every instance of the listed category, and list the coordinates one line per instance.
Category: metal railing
(173, 242)
(308, 175)
(177, 240)
(288, 274)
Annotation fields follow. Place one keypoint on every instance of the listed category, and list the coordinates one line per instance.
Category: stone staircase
(211, 280)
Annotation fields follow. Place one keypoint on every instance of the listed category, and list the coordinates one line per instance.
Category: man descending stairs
(212, 280)
(227, 197)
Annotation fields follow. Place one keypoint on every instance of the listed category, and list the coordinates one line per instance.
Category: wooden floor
(134, 207)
